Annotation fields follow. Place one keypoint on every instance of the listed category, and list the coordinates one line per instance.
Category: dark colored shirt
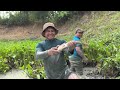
(55, 65)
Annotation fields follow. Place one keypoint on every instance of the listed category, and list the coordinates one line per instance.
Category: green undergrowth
(101, 45)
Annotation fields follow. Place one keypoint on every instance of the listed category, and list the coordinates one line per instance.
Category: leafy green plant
(3, 65)
(20, 55)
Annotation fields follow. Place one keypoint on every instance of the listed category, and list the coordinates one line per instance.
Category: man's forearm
(41, 55)
(80, 52)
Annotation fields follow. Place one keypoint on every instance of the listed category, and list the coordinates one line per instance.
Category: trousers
(77, 67)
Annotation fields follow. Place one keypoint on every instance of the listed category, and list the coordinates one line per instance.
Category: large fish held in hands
(65, 45)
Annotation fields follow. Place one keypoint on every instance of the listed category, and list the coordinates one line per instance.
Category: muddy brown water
(91, 73)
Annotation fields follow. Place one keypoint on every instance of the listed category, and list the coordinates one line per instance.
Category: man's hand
(70, 44)
(53, 51)
(61, 47)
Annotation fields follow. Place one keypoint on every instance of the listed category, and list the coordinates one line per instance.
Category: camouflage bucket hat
(46, 25)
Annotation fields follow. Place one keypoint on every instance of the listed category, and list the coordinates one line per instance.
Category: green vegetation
(22, 18)
(102, 37)
(20, 55)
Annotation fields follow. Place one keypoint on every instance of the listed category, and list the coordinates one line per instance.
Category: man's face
(50, 33)
(79, 34)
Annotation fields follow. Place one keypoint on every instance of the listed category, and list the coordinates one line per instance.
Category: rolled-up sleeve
(40, 53)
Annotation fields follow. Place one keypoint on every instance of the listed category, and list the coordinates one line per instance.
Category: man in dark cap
(76, 64)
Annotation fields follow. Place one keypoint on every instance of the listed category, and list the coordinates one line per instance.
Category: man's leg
(68, 63)
(79, 67)
(72, 66)
(71, 75)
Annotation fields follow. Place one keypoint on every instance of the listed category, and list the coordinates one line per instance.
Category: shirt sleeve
(40, 53)
(63, 41)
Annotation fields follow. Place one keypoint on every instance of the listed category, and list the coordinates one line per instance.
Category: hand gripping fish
(62, 46)
(65, 45)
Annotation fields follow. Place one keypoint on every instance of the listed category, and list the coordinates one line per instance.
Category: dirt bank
(25, 32)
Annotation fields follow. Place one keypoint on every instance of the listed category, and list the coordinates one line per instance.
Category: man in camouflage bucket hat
(54, 64)
(46, 25)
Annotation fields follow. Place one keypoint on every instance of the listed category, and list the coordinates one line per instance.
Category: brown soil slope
(25, 32)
